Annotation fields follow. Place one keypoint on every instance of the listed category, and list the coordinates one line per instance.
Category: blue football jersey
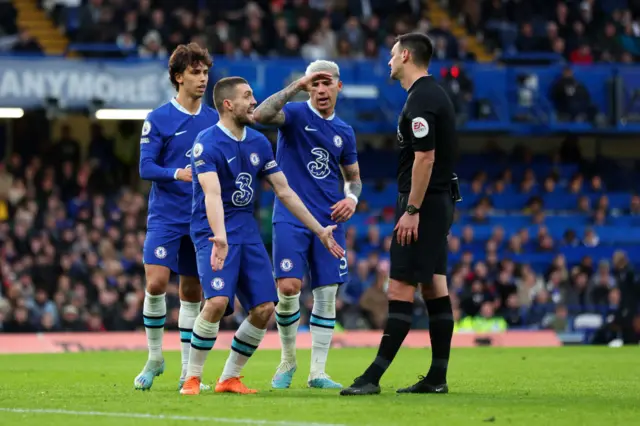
(165, 146)
(240, 164)
(310, 152)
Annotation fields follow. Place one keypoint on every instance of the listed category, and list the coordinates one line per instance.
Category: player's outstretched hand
(326, 236)
(343, 210)
(218, 253)
(306, 82)
(185, 175)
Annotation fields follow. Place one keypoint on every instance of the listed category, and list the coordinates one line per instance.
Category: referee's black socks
(440, 333)
(397, 328)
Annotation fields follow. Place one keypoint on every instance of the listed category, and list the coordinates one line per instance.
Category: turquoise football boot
(284, 375)
(323, 382)
(152, 369)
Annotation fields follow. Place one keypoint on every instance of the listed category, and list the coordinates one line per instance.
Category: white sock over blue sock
(322, 323)
(288, 319)
(244, 344)
(154, 314)
(189, 311)
(203, 338)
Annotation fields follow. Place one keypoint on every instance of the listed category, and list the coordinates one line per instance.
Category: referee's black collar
(415, 83)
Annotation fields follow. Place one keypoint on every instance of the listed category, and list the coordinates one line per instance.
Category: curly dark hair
(185, 55)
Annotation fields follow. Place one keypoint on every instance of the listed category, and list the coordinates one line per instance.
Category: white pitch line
(164, 417)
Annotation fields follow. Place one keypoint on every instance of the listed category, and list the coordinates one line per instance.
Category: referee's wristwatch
(411, 209)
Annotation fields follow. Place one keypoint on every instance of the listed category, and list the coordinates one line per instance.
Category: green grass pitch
(542, 386)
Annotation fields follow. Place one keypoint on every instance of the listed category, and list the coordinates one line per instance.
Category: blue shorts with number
(171, 249)
(296, 250)
(246, 273)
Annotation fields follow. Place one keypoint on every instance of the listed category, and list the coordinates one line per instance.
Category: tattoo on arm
(270, 111)
(353, 184)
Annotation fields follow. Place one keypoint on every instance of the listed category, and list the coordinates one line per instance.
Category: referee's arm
(423, 141)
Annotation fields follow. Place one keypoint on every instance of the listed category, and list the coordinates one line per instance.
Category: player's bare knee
(289, 286)
(214, 309)
(260, 315)
(157, 279)
(400, 291)
(190, 289)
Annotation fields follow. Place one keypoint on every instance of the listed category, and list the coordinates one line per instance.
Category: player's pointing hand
(218, 253)
(307, 81)
(326, 236)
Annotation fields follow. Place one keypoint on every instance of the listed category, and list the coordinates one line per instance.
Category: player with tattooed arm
(314, 147)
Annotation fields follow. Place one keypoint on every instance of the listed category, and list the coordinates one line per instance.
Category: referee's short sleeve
(423, 127)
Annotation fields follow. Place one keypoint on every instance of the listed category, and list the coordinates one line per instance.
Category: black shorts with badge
(417, 262)
(427, 123)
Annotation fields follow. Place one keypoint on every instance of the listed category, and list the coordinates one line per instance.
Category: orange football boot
(191, 386)
(234, 385)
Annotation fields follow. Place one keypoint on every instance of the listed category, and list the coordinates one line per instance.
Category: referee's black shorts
(417, 262)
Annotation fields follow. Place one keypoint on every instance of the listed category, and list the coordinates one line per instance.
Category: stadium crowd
(582, 32)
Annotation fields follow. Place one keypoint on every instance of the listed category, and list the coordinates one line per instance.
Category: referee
(424, 212)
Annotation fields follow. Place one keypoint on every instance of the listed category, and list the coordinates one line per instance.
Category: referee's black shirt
(427, 122)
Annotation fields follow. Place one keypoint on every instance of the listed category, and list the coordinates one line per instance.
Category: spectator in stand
(246, 50)
(315, 49)
(527, 41)
(89, 18)
(352, 33)
(152, 46)
(463, 54)
(26, 44)
(441, 49)
(609, 41)
(8, 19)
(570, 97)
(582, 55)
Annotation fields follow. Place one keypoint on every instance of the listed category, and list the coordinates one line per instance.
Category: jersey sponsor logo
(400, 137)
(286, 265)
(181, 133)
(146, 128)
(270, 165)
(160, 252)
(244, 195)
(310, 129)
(420, 127)
(319, 168)
(254, 158)
(230, 160)
(196, 150)
(144, 140)
(217, 283)
(199, 163)
(337, 141)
